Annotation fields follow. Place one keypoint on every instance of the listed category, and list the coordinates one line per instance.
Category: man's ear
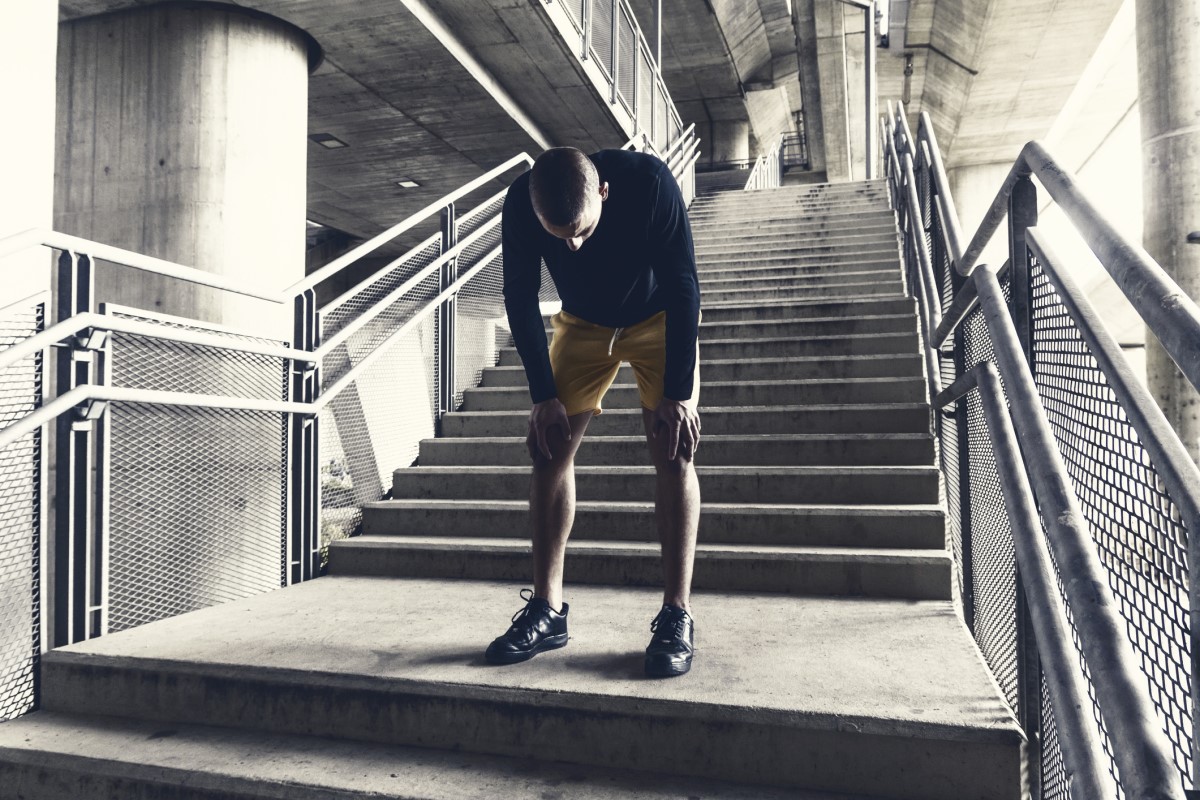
(603, 191)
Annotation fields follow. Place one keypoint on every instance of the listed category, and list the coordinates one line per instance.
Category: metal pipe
(924, 262)
(128, 258)
(941, 183)
(407, 223)
(1144, 755)
(1078, 737)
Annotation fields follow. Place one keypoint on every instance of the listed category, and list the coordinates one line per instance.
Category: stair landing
(824, 693)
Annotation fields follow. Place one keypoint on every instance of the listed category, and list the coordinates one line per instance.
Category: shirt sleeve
(673, 260)
(522, 281)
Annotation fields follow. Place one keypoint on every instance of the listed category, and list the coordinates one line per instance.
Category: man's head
(567, 194)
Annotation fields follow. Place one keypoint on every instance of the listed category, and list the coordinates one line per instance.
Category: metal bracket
(91, 339)
(91, 410)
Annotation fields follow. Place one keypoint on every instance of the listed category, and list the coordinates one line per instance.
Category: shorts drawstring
(613, 341)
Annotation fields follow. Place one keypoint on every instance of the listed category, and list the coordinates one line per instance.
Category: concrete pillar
(182, 135)
(829, 24)
(1168, 52)
(730, 141)
(27, 63)
(974, 187)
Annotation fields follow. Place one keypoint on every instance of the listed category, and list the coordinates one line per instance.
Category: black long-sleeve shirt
(639, 261)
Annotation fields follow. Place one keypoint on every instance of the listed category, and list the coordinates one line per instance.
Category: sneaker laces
(523, 617)
(676, 622)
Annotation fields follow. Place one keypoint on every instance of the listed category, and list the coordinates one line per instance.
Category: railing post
(75, 559)
(304, 490)
(585, 29)
(1022, 215)
(446, 317)
(615, 56)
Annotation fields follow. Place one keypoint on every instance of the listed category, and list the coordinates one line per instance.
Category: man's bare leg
(552, 508)
(676, 513)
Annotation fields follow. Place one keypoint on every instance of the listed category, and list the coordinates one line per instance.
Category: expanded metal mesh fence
(1140, 537)
(626, 57)
(600, 26)
(20, 519)
(196, 496)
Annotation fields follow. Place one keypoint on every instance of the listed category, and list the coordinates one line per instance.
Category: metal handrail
(374, 243)
(766, 161)
(1143, 754)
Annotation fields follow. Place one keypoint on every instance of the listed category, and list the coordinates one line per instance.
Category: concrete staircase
(830, 655)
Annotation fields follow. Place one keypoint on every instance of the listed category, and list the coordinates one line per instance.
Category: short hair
(560, 184)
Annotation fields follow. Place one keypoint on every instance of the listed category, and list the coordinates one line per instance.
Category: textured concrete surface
(883, 666)
(41, 759)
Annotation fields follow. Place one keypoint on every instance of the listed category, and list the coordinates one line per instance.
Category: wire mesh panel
(661, 133)
(375, 426)
(1140, 537)
(645, 92)
(600, 26)
(575, 12)
(626, 58)
(20, 519)
(196, 496)
(993, 563)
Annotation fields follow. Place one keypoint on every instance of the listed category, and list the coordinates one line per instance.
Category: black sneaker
(535, 628)
(670, 651)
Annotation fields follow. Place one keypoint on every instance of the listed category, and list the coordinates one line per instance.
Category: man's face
(578, 232)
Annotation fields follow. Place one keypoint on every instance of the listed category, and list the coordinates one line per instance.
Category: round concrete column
(1168, 44)
(182, 135)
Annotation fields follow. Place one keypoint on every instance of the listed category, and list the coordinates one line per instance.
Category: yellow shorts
(586, 357)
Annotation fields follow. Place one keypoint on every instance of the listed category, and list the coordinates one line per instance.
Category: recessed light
(407, 183)
(327, 140)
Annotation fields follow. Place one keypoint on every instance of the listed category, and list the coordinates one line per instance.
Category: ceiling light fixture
(407, 183)
(327, 140)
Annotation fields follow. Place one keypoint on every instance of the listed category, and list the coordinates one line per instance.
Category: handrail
(90, 320)
(1143, 755)
(35, 237)
(1168, 311)
(763, 163)
(375, 242)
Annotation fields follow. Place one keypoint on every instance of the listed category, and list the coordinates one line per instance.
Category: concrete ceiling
(435, 92)
(992, 74)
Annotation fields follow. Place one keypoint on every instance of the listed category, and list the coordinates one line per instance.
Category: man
(613, 230)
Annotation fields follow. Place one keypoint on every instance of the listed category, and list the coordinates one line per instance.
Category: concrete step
(812, 211)
(818, 257)
(757, 369)
(817, 326)
(768, 201)
(785, 309)
(719, 484)
(870, 696)
(831, 277)
(807, 268)
(837, 571)
(808, 208)
(705, 230)
(61, 756)
(883, 418)
(909, 526)
(849, 288)
(799, 191)
(731, 393)
(765, 449)
(795, 245)
(785, 347)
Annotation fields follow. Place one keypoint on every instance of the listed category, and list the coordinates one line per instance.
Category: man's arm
(673, 260)
(522, 281)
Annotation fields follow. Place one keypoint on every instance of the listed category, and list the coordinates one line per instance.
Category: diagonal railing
(1070, 498)
(193, 463)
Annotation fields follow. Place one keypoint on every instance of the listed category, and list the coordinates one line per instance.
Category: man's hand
(544, 416)
(682, 426)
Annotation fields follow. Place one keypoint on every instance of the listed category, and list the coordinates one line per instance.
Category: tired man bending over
(613, 230)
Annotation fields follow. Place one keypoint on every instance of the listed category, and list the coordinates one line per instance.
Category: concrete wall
(27, 46)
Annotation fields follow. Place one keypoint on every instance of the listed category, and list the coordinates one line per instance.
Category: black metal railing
(1072, 549)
